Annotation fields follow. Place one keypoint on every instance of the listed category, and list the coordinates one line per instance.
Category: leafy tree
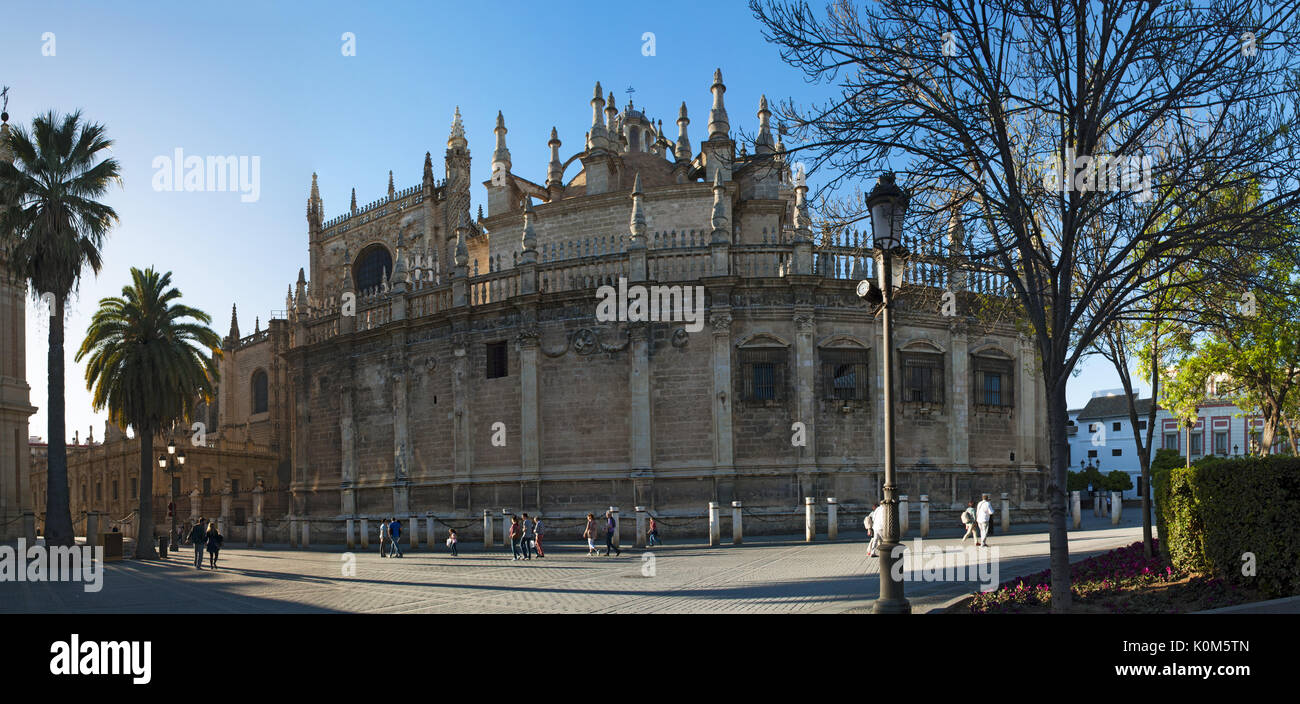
(52, 226)
(1117, 480)
(150, 358)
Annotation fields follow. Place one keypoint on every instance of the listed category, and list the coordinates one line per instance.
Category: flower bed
(1124, 580)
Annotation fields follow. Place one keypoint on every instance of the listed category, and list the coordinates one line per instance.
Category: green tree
(149, 362)
(1117, 480)
(52, 226)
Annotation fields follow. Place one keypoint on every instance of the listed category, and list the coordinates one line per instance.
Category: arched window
(373, 267)
(259, 391)
(634, 139)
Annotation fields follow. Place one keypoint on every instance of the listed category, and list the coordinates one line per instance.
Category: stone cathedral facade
(438, 362)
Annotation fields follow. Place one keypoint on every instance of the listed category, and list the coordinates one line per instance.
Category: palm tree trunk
(144, 541)
(58, 513)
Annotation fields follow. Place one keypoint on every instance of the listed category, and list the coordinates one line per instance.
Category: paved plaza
(765, 575)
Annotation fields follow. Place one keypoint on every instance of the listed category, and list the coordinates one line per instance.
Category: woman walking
(528, 537)
(590, 535)
(516, 537)
(537, 536)
(451, 542)
(611, 525)
(652, 536)
(214, 541)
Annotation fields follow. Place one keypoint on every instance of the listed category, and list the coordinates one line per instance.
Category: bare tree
(1074, 139)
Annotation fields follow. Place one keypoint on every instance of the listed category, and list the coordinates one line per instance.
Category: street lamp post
(888, 205)
(171, 463)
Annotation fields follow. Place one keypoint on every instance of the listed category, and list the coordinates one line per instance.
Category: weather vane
(630, 90)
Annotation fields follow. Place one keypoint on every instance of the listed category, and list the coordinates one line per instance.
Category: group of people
(974, 516)
(204, 535)
(526, 537)
(390, 538)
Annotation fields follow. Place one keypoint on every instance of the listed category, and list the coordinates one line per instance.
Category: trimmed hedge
(1218, 510)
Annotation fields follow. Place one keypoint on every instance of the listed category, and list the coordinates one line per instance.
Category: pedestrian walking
(877, 518)
(968, 522)
(983, 512)
(652, 536)
(383, 538)
(516, 537)
(610, 526)
(214, 540)
(451, 542)
(395, 534)
(527, 542)
(590, 535)
(197, 535)
(537, 536)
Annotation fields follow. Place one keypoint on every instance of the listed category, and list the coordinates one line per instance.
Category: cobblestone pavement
(765, 575)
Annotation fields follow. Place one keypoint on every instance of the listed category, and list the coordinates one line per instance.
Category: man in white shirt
(983, 512)
(877, 519)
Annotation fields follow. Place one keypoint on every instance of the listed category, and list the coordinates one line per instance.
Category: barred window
(922, 377)
(993, 381)
(844, 374)
(762, 374)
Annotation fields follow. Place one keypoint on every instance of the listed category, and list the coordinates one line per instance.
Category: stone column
(194, 505)
(227, 503)
(832, 518)
(487, 529)
(638, 383)
(925, 515)
(351, 537)
(413, 536)
(365, 534)
(506, 515)
(1006, 513)
(530, 434)
(1096, 504)
(1026, 405)
(259, 495)
(737, 528)
(959, 426)
(614, 511)
(902, 515)
(721, 398)
(805, 383)
(430, 535)
(715, 529)
(347, 441)
(92, 527)
(1074, 508)
(1116, 506)
(809, 519)
(293, 532)
(640, 541)
(306, 533)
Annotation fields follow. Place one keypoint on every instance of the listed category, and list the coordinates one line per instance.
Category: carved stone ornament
(680, 338)
(528, 337)
(584, 341)
(721, 322)
(804, 323)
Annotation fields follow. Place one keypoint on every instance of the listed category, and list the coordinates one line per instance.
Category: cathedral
(438, 364)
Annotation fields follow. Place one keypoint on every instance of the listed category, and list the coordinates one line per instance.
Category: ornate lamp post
(165, 463)
(888, 205)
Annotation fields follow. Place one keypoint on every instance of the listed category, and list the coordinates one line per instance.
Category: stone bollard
(1075, 509)
(351, 540)
(505, 528)
(249, 534)
(293, 532)
(306, 534)
(429, 532)
(1096, 504)
(1006, 513)
(809, 519)
(902, 515)
(613, 510)
(29, 527)
(365, 534)
(715, 530)
(832, 518)
(487, 529)
(737, 528)
(639, 540)
(258, 531)
(925, 515)
(413, 537)
(92, 527)
(1116, 506)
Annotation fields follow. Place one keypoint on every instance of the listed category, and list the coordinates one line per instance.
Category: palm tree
(51, 227)
(148, 365)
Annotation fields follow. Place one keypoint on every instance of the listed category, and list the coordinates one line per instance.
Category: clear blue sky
(270, 80)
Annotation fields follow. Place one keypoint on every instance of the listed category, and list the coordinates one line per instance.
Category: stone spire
(354, 201)
(315, 207)
(234, 324)
(257, 324)
(719, 128)
(302, 291)
(457, 138)
(802, 219)
(597, 119)
(288, 299)
(555, 169)
(719, 221)
(349, 285)
(683, 149)
(501, 155)
(528, 242)
(391, 191)
(611, 122)
(399, 266)
(427, 177)
(763, 144)
(637, 223)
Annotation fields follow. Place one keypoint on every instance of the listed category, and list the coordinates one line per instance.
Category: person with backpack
(527, 542)
(537, 536)
(214, 541)
(451, 542)
(652, 535)
(383, 538)
(610, 526)
(516, 537)
(968, 521)
(395, 534)
(877, 519)
(197, 538)
(590, 534)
